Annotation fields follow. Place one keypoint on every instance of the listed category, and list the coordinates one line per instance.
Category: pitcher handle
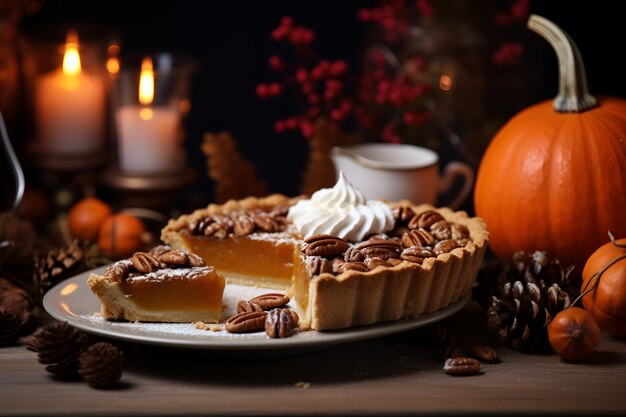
(450, 172)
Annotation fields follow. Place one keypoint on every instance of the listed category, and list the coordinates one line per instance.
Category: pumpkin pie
(163, 285)
(343, 260)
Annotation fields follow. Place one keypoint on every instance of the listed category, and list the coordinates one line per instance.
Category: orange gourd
(573, 334)
(121, 235)
(554, 177)
(86, 216)
(604, 286)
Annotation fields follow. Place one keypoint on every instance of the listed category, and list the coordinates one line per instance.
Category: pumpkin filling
(177, 290)
(163, 285)
(263, 259)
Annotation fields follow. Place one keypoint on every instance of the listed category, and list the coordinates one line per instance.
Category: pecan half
(461, 366)
(353, 254)
(353, 266)
(459, 231)
(403, 214)
(195, 260)
(267, 223)
(425, 219)
(270, 300)
(380, 248)
(145, 263)
(243, 225)
(317, 265)
(118, 271)
(417, 237)
(280, 322)
(373, 263)
(441, 230)
(246, 306)
(445, 246)
(246, 322)
(483, 353)
(217, 226)
(175, 257)
(416, 254)
(324, 245)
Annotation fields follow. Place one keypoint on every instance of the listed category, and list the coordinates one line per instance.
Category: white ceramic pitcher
(396, 172)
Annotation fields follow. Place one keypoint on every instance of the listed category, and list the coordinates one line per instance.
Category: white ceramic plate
(73, 301)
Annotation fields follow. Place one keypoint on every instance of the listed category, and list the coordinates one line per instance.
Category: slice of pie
(344, 260)
(163, 285)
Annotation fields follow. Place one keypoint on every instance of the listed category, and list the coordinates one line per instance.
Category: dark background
(231, 41)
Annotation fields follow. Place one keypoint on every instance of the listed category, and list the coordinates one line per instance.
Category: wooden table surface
(396, 374)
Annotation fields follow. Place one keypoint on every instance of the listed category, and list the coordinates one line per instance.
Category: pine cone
(10, 327)
(59, 346)
(521, 297)
(57, 265)
(101, 365)
(18, 302)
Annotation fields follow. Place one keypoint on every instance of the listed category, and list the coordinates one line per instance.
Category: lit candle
(70, 107)
(148, 135)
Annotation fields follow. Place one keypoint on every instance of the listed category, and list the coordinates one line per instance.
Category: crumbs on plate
(208, 326)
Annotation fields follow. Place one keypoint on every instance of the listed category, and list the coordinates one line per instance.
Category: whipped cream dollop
(341, 211)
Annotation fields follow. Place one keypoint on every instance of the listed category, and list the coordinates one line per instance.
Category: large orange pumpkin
(607, 300)
(554, 177)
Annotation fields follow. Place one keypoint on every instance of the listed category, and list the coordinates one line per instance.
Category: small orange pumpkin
(553, 176)
(121, 235)
(86, 216)
(573, 334)
(606, 299)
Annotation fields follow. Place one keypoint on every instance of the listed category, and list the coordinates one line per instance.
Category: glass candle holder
(151, 103)
(68, 86)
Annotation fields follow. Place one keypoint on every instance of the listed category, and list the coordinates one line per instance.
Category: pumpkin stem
(596, 277)
(573, 92)
(614, 241)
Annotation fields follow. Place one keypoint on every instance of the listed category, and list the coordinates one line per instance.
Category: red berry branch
(391, 99)
(319, 84)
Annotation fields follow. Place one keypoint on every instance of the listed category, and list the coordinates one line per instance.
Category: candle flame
(113, 61)
(71, 57)
(146, 82)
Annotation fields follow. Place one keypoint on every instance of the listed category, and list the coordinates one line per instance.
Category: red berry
(338, 68)
(291, 123)
(286, 21)
(364, 15)
(306, 128)
(336, 115)
(274, 89)
(276, 63)
(279, 34)
(279, 126)
(261, 90)
(408, 117)
(302, 75)
(317, 73)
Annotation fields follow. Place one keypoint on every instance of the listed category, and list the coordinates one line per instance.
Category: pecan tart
(163, 285)
(345, 261)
